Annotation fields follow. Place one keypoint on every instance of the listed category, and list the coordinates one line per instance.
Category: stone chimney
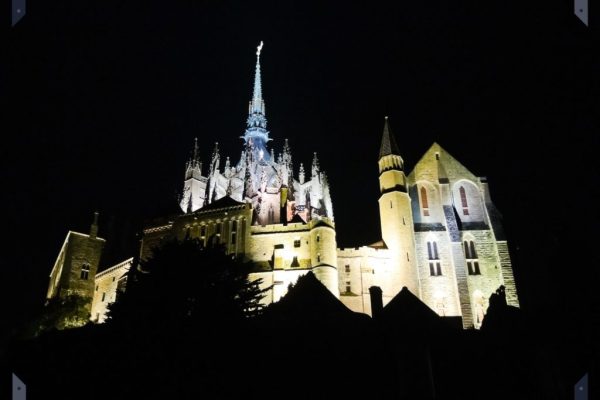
(376, 301)
(94, 227)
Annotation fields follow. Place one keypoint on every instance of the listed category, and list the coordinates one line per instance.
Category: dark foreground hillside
(307, 345)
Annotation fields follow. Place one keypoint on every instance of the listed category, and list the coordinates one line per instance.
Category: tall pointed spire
(257, 105)
(256, 125)
(256, 117)
(388, 142)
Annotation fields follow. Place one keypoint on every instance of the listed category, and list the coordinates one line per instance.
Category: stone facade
(460, 254)
(76, 265)
(442, 237)
(109, 283)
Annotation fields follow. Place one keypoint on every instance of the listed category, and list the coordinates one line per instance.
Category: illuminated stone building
(441, 234)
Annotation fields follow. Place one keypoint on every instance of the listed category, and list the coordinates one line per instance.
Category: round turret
(324, 253)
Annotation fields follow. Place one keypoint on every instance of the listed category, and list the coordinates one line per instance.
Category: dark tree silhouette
(60, 313)
(185, 283)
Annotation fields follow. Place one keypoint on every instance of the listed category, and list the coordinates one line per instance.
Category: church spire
(257, 105)
(388, 142)
(256, 117)
(256, 125)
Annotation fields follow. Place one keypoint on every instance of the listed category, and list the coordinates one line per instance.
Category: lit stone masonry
(441, 235)
(109, 283)
(442, 239)
(76, 265)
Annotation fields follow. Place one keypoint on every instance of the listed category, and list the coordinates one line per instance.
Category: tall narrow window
(271, 215)
(424, 202)
(463, 200)
(348, 287)
(203, 230)
(318, 258)
(435, 266)
(471, 258)
(233, 232)
(85, 271)
(103, 296)
(347, 268)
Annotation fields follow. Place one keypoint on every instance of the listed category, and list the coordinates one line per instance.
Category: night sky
(106, 97)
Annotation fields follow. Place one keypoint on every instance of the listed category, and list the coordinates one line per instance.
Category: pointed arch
(463, 200)
(435, 266)
(471, 257)
(424, 201)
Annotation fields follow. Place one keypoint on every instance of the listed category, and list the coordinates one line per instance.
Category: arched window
(424, 202)
(435, 267)
(471, 257)
(85, 271)
(463, 200)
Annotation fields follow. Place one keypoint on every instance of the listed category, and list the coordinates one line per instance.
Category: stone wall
(108, 284)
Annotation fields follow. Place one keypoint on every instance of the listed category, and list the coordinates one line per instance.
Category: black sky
(105, 98)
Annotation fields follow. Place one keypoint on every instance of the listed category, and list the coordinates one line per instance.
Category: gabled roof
(437, 165)
(407, 313)
(297, 219)
(308, 299)
(223, 202)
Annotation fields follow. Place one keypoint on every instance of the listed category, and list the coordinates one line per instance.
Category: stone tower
(76, 265)
(396, 217)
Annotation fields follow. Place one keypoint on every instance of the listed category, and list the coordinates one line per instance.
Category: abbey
(441, 234)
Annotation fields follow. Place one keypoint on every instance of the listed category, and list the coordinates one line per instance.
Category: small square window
(297, 243)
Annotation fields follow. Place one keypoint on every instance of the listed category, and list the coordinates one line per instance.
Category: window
(297, 243)
(348, 287)
(234, 226)
(391, 204)
(295, 263)
(318, 238)
(218, 229)
(347, 268)
(471, 257)
(203, 230)
(113, 279)
(437, 156)
(85, 271)
(96, 288)
(103, 296)
(318, 258)
(435, 266)
(233, 237)
(271, 215)
(403, 221)
(424, 202)
(463, 200)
